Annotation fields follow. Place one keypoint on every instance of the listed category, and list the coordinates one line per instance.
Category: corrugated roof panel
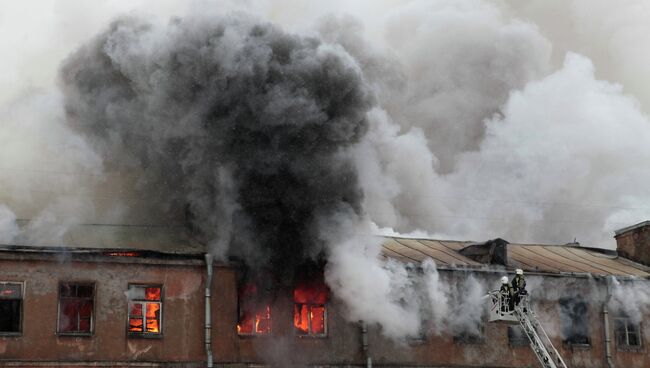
(558, 258)
(616, 264)
(442, 248)
(564, 263)
(403, 251)
(578, 258)
(387, 253)
(525, 256)
(417, 250)
(438, 257)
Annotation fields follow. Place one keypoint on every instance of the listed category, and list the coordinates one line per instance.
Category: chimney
(633, 242)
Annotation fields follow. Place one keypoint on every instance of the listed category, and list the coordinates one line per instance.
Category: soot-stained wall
(182, 343)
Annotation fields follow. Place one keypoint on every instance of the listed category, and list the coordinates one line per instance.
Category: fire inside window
(145, 310)
(254, 312)
(11, 298)
(76, 308)
(309, 310)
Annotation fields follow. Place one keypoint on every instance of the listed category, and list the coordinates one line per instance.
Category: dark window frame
(144, 333)
(92, 311)
(21, 300)
(568, 307)
(242, 298)
(466, 337)
(310, 333)
(627, 322)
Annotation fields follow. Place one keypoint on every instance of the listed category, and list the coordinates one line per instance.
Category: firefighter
(519, 285)
(507, 294)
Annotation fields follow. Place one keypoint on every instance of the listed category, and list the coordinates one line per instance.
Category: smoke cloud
(294, 134)
(246, 124)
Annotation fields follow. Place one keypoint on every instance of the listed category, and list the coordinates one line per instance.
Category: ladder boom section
(505, 310)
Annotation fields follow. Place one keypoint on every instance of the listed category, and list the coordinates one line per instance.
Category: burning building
(246, 135)
(135, 296)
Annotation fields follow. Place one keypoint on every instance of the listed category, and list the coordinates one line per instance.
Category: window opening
(76, 302)
(145, 310)
(254, 311)
(11, 299)
(471, 335)
(574, 319)
(310, 310)
(628, 333)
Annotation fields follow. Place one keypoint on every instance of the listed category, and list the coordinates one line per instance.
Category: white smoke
(526, 121)
(406, 300)
(8, 227)
(630, 299)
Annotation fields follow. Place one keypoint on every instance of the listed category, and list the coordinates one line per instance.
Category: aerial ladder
(502, 310)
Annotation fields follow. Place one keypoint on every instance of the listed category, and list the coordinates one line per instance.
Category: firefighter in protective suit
(519, 285)
(507, 295)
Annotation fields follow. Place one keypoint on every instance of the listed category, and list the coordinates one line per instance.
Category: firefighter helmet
(519, 271)
(504, 280)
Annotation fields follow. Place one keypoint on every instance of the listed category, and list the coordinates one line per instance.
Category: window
(11, 300)
(309, 309)
(470, 336)
(254, 311)
(628, 333)
(517, 337)
(145, 310)
(76, 301)
(573, 316)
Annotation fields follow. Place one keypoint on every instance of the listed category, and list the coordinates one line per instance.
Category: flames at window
(254, 312)
(309, 311)
(144, 314)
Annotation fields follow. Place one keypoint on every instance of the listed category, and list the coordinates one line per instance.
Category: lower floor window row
(76, 309)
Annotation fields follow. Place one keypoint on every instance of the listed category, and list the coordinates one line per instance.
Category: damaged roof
(566, 259)
(161, 239)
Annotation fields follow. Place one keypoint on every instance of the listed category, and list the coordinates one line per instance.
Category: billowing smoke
(406, 300)
(630, 299)
(246, 124)
(465, 119)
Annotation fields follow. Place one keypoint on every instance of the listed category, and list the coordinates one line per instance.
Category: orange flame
(253, 318)
(309, 307)
(122, 254)
(153, 317)
(258, 322)
(152, 293)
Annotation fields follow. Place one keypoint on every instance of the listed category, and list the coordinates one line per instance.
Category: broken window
(145, 310)
(517, 337)
(11, 298)
(309, 309)
(254, 311)
(628, 333)
(574, 319)
(76, 301)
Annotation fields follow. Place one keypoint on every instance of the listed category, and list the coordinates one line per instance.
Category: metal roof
(572, 259)
(443, 252)
(557, 259)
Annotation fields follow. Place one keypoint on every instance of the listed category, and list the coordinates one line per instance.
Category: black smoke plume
(246, 125)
